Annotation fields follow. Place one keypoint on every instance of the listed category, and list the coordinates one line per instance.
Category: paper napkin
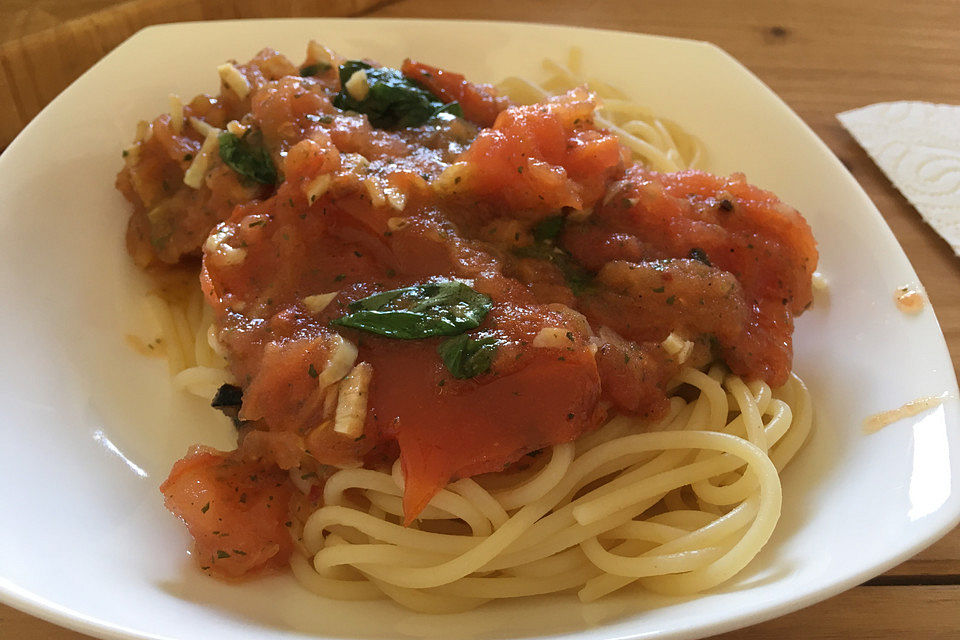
(917, 144)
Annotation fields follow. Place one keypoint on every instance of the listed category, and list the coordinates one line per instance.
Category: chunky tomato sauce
(578, 264)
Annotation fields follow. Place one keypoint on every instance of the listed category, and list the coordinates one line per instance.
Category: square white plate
(89, 429)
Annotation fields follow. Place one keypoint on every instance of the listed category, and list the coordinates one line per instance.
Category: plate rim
(24, 600)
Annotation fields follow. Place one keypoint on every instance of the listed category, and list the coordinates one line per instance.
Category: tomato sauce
(586, 262)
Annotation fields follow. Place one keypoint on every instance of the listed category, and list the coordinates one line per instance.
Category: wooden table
(822, 57)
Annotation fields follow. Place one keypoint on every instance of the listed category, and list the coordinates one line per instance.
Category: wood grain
(38, 66)
(864, 613)
(820, 56)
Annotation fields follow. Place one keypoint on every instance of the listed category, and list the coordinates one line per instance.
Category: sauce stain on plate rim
(102, 384)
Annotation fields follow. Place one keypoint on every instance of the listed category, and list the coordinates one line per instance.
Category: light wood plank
(863, 613)
(940, 559)
(36, 67)
(822, 57)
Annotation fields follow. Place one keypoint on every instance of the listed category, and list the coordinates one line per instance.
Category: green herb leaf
(548, 228)
(314, 69)
(446, 308)
(699, 255)
(247, 156)
(466, 357)
(393, 101)
(576, 275)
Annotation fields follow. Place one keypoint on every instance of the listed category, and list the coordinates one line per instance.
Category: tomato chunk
(236, 511)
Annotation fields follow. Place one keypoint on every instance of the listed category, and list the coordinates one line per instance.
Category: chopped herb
(576, 276)
(228, 400)
(239, 553)
(205, 508)
(124, 153)
(658, 289)
(569, 416)
(446, 308)
(392, 100)
(671, 299)
(313, 371)
(247, 156)
(314, 69)
(548, 228)
(339, 277)
(221, 554)
(699, 255)
(257, 223)
(465, 357)
(188, 157)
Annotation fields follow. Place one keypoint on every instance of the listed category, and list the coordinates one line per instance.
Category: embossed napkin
(917, 144)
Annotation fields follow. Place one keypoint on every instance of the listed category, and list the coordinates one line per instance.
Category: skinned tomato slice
(463, 428)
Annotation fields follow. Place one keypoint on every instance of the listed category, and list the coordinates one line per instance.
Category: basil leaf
(314, 69)
(576, 275)
(247, 156)
(446, 308)
(393, 101)
(452, 108)
(466, 357)
(548, 228)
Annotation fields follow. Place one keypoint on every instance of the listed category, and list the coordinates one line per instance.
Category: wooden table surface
(821, 57)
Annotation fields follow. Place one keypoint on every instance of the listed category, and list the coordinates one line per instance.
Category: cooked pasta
(676, 504)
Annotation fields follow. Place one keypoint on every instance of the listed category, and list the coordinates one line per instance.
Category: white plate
(89, 429)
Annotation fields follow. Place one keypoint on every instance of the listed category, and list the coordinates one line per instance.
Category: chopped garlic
(318, 53)
(317, 303)
(375, 191)
(202, 127)
(395, 198)
(357, 86)
(216, 246)
(330, 402)
(352, 402)
(395, 224)
(317, 187)
(236, 128)
(354, 163)
(677, 346)
(553, 338)
(341, 360)
(450, 177)
(232, 77)
(201, 163)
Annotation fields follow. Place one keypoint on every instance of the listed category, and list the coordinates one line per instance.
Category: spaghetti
(676, 504)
